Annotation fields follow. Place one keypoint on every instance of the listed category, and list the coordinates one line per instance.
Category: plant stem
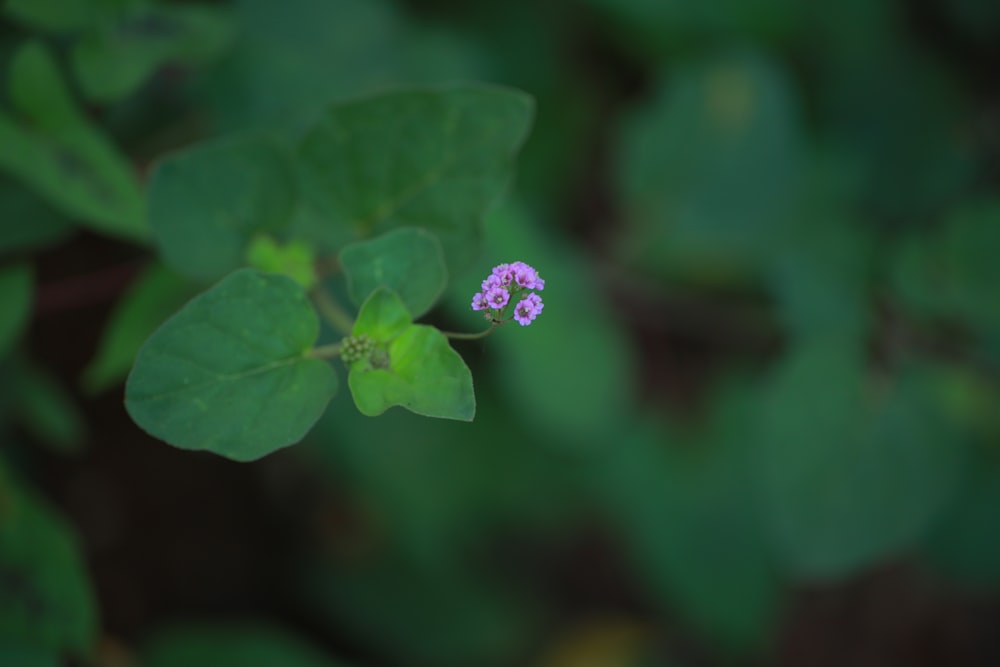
(332, 311)
(325, 351)
(471, 336)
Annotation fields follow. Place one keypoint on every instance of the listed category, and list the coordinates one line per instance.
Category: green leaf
(408, 261)
(57, 152)
(207, 202)
(413, 366)
(230, 373)
(46, 410)
(153, 297)
(436, 158)
(54, 15)
(27, 222)
(46, 601)
(20, 656)
(114, 60)
(231, 645)
(851, 474)
(16, 286)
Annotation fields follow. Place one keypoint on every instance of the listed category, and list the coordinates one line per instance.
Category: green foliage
(436, 159)
(153, 297)
(412, 365)
(16, 286)
(46, 602)
(52, 147)
(231, 645)
(230, 372)
(208, 202)
(850, 477)
(407, 261)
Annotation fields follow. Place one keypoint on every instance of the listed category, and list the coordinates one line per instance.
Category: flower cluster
(505, 282)
(356, 348)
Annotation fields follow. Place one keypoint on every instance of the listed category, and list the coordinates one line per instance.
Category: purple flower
(479, 302)
(497, 297)
(526, 276)
(503, 274)
(528, 309)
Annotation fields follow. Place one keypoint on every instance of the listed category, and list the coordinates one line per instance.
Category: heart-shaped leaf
(230, 372)
(408, 261)
(412, 366)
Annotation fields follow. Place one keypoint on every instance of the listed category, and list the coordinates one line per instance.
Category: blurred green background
(758, 422)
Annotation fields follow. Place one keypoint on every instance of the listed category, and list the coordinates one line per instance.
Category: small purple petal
(528, 309)
(497, 297)
(479, 302)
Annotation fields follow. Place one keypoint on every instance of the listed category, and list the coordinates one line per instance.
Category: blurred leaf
(55, 15)
(292, 59)
(207, 644)
(684, 507)
(27, 223)
(436, 158)
(408, 261)
(56, 151)
(412, 366)
(953, 271)
(230, 373)
(709, 168)
(16, 288)
(46, 410)
(116, 58)
(540, 367)
(46, 602)
(155, 295)
(207, 202)
(905, 116)
(965, 545)
(433, 619)
(850, 477)
(15, 655)
(660, 28)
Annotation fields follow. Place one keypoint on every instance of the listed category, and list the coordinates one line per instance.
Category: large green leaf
(155, 295)
(55, 150)
(231, 645)
(115, 59)
(436, 158)
(46, 601)
(851, 473)
(15, 303)
(207, 202)
(230, 373)
(412, 365)
(408, 261)
(55, 15)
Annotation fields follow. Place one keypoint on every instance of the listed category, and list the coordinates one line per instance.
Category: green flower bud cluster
(356, 348)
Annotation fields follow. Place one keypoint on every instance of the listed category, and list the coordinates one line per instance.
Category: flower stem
(472, 336)
(325, 351)
(332, 311)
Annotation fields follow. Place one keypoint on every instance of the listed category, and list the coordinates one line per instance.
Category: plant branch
(472, 336)
(332, 311)
(325, 351)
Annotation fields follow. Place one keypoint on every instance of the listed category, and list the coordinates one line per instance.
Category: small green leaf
(117, 58)
(61, 155)
(412, 366)
(15, 303)
(408, 261)
(230, 372)
(28, 222)
(46, 601)
(436, 158)
(207, 202)
(295, 259)
(155, 295)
